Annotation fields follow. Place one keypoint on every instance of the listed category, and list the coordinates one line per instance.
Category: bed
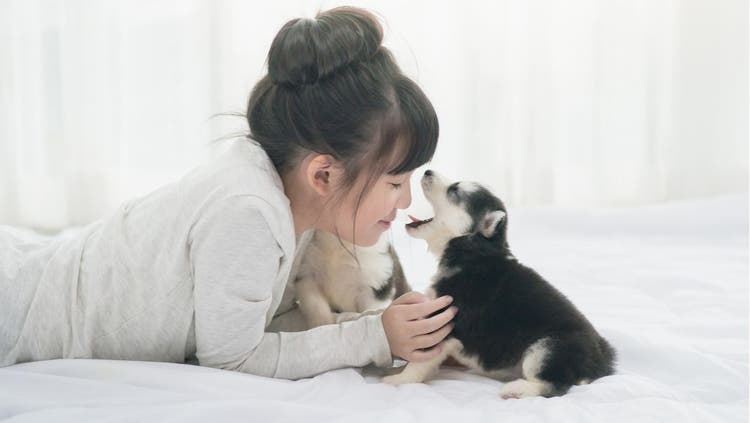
(666, 284)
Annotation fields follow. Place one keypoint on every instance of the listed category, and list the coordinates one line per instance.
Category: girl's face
(377, 209)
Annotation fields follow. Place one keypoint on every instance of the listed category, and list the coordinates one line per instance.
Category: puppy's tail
(608, 357)
(601, 363)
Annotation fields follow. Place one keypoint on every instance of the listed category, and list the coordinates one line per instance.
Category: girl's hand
(411, 335)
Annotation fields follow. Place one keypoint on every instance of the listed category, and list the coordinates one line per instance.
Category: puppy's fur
(511, 324)
(330, 285)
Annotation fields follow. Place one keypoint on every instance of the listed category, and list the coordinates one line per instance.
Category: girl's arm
(235, 261)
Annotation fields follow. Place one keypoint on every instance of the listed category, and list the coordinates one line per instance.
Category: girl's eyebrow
(397, 175)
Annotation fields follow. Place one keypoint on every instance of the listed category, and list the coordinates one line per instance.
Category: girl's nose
(405, 200)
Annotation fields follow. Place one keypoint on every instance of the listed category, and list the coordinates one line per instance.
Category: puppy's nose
(428, 172)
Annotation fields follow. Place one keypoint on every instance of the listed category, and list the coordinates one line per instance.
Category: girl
(196, 270)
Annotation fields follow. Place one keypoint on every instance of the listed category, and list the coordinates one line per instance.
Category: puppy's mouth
(415, 223)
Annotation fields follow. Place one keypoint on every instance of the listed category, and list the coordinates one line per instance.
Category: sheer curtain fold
(586, 103)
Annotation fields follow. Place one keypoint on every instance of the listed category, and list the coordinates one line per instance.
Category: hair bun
(306, 50)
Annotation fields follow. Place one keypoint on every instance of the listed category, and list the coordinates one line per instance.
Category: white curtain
(585, 102)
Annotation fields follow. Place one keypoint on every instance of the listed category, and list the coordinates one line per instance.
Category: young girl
(196, 270)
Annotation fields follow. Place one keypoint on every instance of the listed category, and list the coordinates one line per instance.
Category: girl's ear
(320, 173)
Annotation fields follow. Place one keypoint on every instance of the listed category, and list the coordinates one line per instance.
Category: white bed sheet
(667, 285)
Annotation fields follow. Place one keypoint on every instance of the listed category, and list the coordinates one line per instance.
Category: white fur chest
(346, 285)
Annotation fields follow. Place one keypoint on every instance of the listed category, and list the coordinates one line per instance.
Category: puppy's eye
(453, 191)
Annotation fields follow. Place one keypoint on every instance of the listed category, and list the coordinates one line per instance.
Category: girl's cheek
(397, 197)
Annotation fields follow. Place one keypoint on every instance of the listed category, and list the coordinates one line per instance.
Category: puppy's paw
(345, 316)
(522, 388)
(399, 379)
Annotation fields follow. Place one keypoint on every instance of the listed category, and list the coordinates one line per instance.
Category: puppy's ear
(491, 222)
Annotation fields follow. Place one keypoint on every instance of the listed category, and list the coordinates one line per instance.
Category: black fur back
(504, 307)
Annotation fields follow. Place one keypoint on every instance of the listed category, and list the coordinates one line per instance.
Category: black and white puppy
(332, 286)
(511, 325)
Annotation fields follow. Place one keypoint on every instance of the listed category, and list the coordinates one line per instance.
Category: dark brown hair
(332, 88)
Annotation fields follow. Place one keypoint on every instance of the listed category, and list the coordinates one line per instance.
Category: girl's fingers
(424, 309)
(412, 297)
(431, 339)
(420, 327)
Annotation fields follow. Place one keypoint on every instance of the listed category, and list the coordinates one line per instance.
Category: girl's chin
(373, 238)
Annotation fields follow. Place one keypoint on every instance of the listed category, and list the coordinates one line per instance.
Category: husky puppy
(331, 284)
(511, 325)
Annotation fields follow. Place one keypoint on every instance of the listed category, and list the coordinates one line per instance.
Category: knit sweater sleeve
(235, 260)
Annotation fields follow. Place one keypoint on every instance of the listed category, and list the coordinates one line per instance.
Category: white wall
(584, 103)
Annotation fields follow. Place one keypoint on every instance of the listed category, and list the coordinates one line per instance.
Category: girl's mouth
(415, 223)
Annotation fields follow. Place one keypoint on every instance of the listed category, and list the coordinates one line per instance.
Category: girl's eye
(396, 186)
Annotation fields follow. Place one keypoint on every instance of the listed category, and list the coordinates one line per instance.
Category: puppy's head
(461, 208)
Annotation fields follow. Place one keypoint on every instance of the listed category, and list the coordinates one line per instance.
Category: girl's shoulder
(243, 168)
(240, 173)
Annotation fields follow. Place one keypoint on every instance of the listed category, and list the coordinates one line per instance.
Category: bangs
(410, 130)
(405, 138)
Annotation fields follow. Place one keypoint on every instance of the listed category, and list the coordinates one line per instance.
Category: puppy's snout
(427, 179)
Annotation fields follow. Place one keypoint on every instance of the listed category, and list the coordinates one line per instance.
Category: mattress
(666, 284)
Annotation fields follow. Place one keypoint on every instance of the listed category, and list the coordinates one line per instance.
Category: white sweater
(194, 270)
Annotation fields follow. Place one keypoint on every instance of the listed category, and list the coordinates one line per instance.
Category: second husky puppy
(331, 281)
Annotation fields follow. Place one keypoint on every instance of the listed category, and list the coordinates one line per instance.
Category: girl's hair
(332, 88)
